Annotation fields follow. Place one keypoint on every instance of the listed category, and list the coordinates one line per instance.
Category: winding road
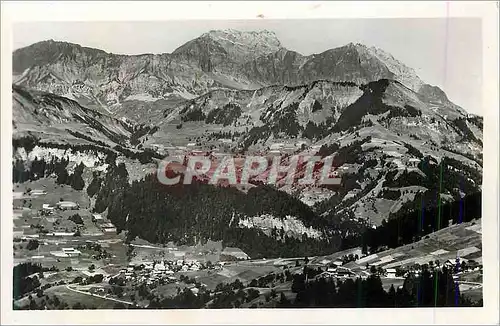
(100, 296)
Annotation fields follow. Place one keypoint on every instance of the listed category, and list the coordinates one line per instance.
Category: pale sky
(444, 52)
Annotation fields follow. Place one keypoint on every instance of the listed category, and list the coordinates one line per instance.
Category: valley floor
(136, 274)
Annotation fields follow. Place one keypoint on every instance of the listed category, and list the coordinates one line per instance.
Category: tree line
(188, 214)
(430, 289)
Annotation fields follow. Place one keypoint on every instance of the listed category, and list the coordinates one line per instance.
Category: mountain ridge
(216, 59)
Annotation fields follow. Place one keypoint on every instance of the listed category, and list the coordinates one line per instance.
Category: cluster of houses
(160, 271)
(336, 270)
(48, 209)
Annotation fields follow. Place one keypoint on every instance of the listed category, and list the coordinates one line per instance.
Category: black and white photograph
(241, 164)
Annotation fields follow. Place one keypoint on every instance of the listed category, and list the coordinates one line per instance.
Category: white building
(108, 228)
(97, 218)
(71, 252)
(47, 209)
(37, 192)
(391, 272)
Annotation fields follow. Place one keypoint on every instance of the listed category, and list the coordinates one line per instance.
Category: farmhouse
(97, 218)
(391, 272)
(37, 192)
(66, 252)
(71, 252)
(108, 228)
(47, 209)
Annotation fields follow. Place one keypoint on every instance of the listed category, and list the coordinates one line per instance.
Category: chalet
(47, 209)
(108, 228)
(71, 252)
(342, 271)
(326, 274)
(97, 218)
(413, 162)
(37, 192)
(390, 272)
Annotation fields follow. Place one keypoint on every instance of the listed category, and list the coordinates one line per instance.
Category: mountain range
(393, 136)
(215, 60)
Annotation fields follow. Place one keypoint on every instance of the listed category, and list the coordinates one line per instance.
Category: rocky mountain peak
(48, 52)
(245, 37)
(244, 45)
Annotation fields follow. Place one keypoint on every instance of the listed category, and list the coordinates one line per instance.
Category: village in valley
(79, 260)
